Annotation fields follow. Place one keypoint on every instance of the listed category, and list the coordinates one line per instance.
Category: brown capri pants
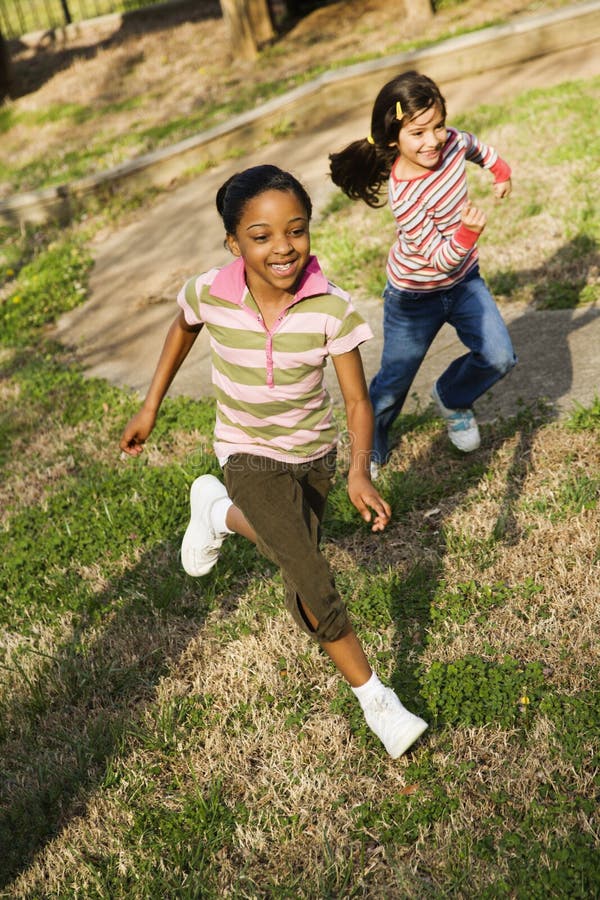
(285, 503)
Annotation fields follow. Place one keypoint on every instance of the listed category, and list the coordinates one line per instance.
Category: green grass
(584, 417)
(51, 283)
(168, 736)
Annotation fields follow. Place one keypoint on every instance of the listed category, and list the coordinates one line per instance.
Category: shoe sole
(442, 411)
(468, 449)
(409, 737)
(199, 487)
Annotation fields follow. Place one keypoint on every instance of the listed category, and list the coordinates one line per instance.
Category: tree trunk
(260, 20)
(5, 73)
(249, 23)
(243, 43)
(418, 10)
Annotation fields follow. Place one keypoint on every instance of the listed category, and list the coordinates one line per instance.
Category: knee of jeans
(505, 362)
(500, 358)
(388, 402)
(382, 403)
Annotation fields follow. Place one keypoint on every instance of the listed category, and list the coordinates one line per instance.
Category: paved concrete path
(138, 269)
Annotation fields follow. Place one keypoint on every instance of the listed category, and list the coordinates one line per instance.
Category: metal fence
(19, 17)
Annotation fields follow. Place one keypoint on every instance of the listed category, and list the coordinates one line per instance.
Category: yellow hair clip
(370, 139)
(399, 112)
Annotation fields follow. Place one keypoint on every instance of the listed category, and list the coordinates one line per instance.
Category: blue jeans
(411, 320)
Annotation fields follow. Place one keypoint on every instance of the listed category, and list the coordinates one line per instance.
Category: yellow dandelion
(524, 700)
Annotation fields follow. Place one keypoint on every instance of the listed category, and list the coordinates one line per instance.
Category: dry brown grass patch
(283, 774)
(287, 773)
(558, 624)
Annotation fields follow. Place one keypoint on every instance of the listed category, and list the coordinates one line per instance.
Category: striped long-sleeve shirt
(433, 249)
(271, 396)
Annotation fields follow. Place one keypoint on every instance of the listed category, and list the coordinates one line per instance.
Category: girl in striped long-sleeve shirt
(432, 268)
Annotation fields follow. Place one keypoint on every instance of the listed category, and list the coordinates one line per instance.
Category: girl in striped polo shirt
(432, 268)
(273, 320)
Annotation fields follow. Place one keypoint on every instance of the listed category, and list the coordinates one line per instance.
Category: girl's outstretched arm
(178, 343)
(359, 415)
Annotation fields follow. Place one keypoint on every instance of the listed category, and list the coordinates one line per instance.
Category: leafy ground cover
(167, 736)
(125, 89)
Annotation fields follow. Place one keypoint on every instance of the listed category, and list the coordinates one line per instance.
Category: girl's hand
(473, 218)
(136, 431)
(365, 498)
(502, 189)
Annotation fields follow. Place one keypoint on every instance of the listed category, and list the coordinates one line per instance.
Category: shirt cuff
(465, 237)
(501, 171)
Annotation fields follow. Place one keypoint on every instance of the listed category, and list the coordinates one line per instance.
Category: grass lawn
(163, 736)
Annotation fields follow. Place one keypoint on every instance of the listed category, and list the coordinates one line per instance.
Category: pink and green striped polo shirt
(271, 396)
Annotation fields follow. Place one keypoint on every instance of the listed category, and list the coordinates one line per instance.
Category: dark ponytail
(362, 168)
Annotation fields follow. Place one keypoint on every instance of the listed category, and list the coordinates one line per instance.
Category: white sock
(218, 514)
(368, 690)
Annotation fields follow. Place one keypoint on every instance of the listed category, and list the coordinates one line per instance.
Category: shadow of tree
(30, 71)
(76, 714)
(542, 338)
(409, 555)
(562, 281)
(455, 476)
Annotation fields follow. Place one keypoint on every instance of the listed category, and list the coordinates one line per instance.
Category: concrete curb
(310, 105)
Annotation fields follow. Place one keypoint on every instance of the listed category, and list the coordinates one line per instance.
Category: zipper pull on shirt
(269, 352)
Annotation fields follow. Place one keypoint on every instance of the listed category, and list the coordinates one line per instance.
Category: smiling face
(273, 238)
(420, 142)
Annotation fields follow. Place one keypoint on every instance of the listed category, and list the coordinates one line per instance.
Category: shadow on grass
(563, 282)
(86, 700)
(78, 713)
(563, 301)
(427, 494)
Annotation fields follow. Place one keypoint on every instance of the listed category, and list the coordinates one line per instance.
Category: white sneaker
(461, 425)
(201, 544)
(394, 725)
